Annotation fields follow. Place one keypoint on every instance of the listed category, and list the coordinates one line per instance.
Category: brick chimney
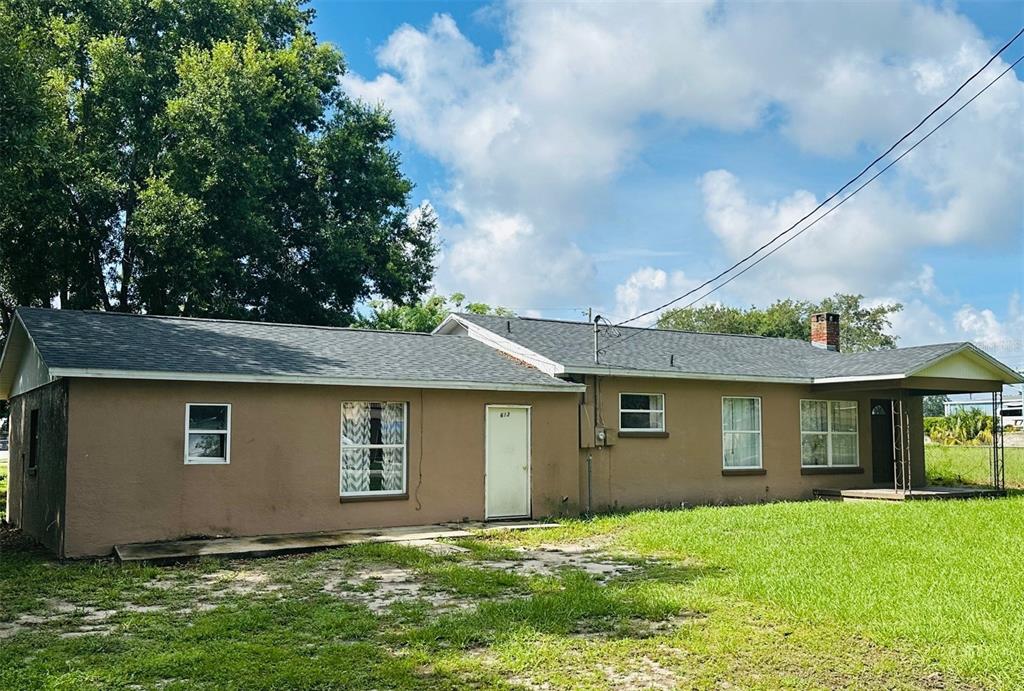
(825, 330)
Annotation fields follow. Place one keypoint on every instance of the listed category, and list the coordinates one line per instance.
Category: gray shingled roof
(76, 340)
(571, 344)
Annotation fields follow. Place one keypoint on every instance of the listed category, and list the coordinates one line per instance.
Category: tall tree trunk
(104, 293)
(127, 246)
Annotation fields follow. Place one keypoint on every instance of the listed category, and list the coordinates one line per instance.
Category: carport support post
(901, 470)
(998, 462)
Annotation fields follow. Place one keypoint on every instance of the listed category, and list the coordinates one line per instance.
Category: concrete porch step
(920, 494)
(292, 543)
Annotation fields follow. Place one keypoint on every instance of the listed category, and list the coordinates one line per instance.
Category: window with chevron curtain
(373, 448)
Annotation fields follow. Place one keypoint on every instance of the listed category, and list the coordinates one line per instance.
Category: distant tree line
(861, 328)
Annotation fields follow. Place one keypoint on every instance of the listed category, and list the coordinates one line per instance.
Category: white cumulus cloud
(533, 137)
(984, 328)
(646, 289)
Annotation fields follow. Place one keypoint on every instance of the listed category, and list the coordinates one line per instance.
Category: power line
(817, 220)
(834, 194)
(844, 199)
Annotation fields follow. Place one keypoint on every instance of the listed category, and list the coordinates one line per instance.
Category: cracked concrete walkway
(264, 545)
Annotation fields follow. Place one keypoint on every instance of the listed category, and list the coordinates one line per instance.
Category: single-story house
(671, 417)
(139, 428)
(128, 428)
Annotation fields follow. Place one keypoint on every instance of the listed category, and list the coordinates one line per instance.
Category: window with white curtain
(373, 448)
(828, 433)
(741, 432)
(641, 412)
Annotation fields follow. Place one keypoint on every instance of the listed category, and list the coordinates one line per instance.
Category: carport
(897, 425)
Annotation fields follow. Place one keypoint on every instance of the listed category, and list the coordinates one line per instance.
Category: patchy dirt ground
(378, 586)
(548, 560)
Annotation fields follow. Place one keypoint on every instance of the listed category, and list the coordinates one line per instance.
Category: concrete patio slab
(267, 545)
(923, 493)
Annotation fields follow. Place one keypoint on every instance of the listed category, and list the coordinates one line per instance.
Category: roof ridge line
(219, 320)
(712, 333)
(636, 328)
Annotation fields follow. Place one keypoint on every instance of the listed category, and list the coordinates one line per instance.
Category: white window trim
(405, 454)
(201, 460)
(828, 435)
(758, 432)
(636, 410)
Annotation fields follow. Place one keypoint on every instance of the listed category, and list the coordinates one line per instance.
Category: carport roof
(108, 344)
(569, 348)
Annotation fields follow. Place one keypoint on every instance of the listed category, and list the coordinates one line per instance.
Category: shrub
(962, 427)
(930, 423)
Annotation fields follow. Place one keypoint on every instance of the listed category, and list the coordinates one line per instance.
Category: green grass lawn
(939, 581)
(789, 595)
(971, 465)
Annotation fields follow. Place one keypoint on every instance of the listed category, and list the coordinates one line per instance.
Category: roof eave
(610, 370)
(93, 373)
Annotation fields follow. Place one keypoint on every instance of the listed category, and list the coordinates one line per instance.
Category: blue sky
(615, 155)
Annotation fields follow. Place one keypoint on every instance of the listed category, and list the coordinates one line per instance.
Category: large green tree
(195, 157)
(861, 328)
(424, 315)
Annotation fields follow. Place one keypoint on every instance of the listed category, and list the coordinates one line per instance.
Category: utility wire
(815, 221)
(844, 199)
(834, 194)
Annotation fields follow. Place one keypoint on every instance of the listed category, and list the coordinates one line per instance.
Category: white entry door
(507, 472)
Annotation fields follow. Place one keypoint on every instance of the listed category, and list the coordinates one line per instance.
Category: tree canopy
(934, 406)
(861, 328)
(195, 157)
(424, 315)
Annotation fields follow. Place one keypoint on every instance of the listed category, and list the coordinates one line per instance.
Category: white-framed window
(373, 448)
(741, 432)
(207, 433)
(828, 433)
(641, 412)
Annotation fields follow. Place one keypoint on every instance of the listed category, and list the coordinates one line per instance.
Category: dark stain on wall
(36, 494)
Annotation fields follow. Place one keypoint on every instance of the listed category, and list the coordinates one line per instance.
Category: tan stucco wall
(127, 480)
(687, 465)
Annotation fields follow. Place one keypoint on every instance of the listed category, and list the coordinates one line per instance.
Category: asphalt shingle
(112, 341)
(571, 344)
